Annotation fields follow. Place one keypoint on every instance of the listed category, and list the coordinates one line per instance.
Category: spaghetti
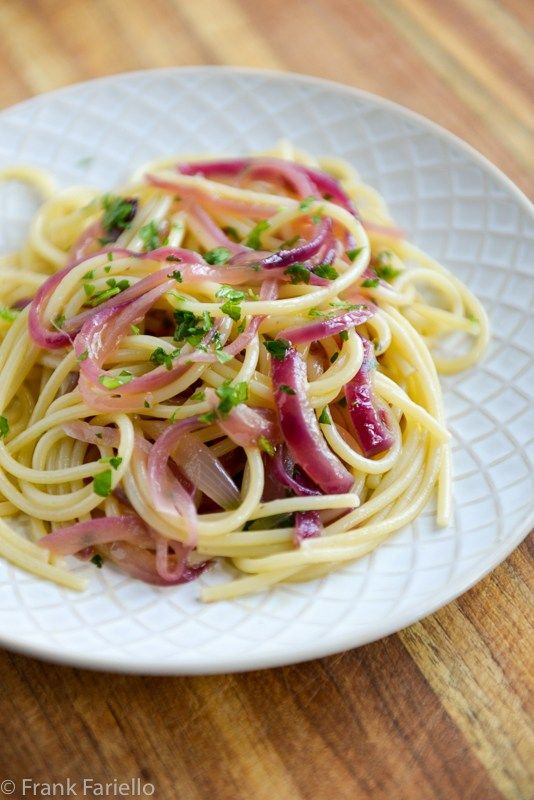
(226, 361)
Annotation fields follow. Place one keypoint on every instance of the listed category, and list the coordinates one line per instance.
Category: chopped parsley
(160, 357)
(9, 314)
(4, 427)
(114, 461)
(334, 357)
(231, 395)
(298, 273)
(114, 381)
(324, 419)
(265, 445)
(326, 271)
(231, 294)
(89, 289)
(231, 232)
(344, 336)
(254, 238)
(370, 283)
(83, 356)
(232, 309)
(89, 276)
(149, 235)
(177, 275)
(198, 396)
(242, 325)
(102, 483)
(146, 404)
(97, 561)
(384, 269)
(305, 204)
(135, 330)
(278, 348)
(207, 418)
(219, 255)
(286, 389)
(59, 321)
(118, 215)
(353, 254)
(123, 284)
(190, 327)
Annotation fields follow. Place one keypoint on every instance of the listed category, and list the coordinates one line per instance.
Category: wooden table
(437, 711)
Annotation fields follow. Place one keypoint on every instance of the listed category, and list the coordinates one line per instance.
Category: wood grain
(440, 711)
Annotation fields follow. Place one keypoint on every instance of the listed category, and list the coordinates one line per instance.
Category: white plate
(453, 203)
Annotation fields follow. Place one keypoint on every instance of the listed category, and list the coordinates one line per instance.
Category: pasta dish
(226, 366)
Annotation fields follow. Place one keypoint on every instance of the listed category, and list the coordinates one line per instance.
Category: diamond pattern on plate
(453, 204)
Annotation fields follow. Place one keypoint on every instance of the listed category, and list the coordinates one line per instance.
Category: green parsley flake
(305, 204)
(289, 243)
(344, 336)
(384, 268)
(146, 404)
(232, 309)
(135, 329)
(114, 381)
(83, 356)
(207, 418)
(97, 561)
(4, 427)
(102, 483)
(231, 294)
(326, 271)
(286, 389)
(160, 357)
(370, 283)
(219, 255)
(177, 275)
(118, 215)
(325, 419)
(298, 273)
(9, 314)
(232, 234)
(265, 445)
(89, 289)
(334, 357)
(190, 327)
(278, 348)
(89, 276)
(254, 238)
(198, 396)
(114, 461)
(231, 395)
(59, 321)
(149, 235)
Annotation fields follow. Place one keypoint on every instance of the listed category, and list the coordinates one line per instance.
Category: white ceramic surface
(453, 203)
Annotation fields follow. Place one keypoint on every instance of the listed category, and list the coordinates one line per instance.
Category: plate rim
(244, 662)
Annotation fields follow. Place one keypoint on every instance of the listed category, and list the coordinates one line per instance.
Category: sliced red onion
(88, 237)
(102, 530)
(141, 564)
(302, 252)
(327, 185)
(315, 331)
(205, 471)
(308, 525)
(168, 494)
(372, 433)
(282, 466)
(245, 425)
(300, 427)
(92, 434)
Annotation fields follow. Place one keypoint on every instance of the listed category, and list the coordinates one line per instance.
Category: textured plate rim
(280, 657)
